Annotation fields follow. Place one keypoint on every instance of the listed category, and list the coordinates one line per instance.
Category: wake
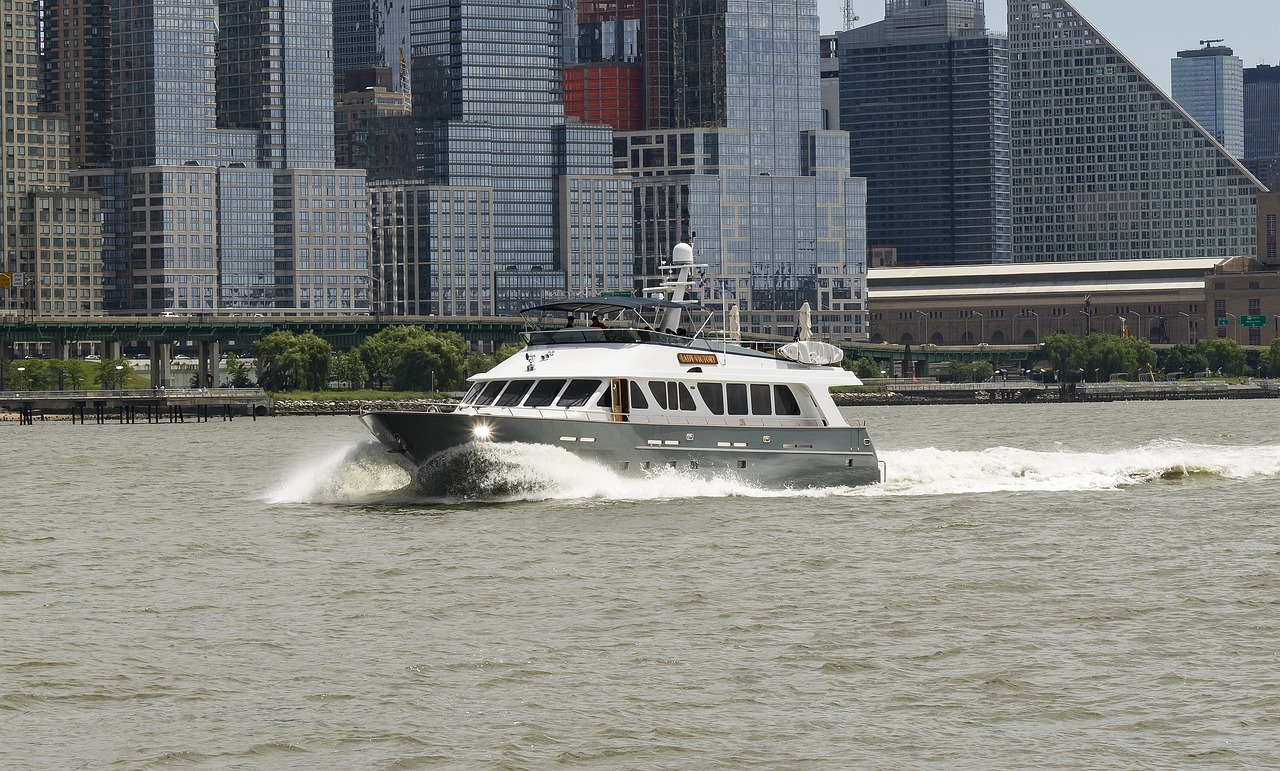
(498, 473)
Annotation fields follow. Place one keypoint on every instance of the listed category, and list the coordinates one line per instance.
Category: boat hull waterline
(769, 456)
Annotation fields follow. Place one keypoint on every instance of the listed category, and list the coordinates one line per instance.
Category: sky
(1149, 32)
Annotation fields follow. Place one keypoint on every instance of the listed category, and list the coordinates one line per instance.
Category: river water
(1035, 586)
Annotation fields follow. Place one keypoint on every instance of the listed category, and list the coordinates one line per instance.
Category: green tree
(349, 368)
(288, 362)
(237, 372)
(1183, 358)
(506, 352)
(29, 375)
(1067, 354)
(431, 361)
(112, 373)
(1271, 358)
(413, 358)
(1223, 354)
(864, 367)
(69, 374)
(381, 351)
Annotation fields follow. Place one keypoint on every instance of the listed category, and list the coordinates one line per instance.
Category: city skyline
(1246, 26)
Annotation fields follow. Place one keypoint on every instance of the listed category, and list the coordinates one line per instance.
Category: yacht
(641, 395)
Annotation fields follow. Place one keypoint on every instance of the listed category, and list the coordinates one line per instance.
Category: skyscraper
(1262, 123)
(371, 33)
(925, 99)
(1105, 165)
(50, 236)
(1209, 84)
(733, 156)
(506, 203)
(222, 191)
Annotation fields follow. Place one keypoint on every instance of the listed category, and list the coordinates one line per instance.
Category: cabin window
(577, 393)
(490, 392)
(638, 402)
(785, 401)
(713, 395)
(659, 391)
(544, 393)
(472, 393)
(515, 393)
(672, 396)
(760, 399)
(678, 394)
(736, 398)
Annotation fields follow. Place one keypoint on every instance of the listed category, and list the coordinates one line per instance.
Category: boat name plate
(697, 358)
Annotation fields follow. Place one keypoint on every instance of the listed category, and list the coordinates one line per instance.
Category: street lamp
(925, 319)
(1234, 336)
(1088, 322)
(119, 377)
(1139, 317)
(1037, 315)
(982, 327)
(22, 378)
(1190, 340)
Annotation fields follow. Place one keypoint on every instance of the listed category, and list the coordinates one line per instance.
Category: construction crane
(850, 18)
(1205, 43)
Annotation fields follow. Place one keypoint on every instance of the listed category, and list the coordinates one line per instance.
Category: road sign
(6, 280)
(1253, 321)
(1223, 321)
(615, 294)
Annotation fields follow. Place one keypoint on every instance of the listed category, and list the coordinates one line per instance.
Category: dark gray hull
(769, 456)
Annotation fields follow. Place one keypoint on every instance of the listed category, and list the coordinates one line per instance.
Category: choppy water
(1051, 586)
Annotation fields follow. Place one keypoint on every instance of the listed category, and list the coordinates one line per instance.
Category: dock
(133, 406)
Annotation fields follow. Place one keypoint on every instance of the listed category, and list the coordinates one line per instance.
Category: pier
(132, 406)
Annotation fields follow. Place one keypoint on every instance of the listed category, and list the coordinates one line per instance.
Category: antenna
(850, 18)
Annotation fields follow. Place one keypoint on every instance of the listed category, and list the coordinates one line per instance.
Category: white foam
(512, 472)
(356, 473)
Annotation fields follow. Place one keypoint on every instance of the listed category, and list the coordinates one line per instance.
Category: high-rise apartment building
(371, 33)
(506, 203)
(1262, 123)
(733, 155)
(1105, 165)
(222, 192)
(76, 75)
(50, 236)
(1209, 84)
(925, 99)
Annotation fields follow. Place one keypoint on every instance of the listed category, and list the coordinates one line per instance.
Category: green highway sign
(615, 294)
(1253, 321)
(1223, 321)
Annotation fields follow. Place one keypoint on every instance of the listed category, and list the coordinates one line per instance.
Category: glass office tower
(1105, 165)
(506, 204)
(370, 33)
(222, 192)
(1262, 123)
(734, 158)
(925, 99)
(1209, 84)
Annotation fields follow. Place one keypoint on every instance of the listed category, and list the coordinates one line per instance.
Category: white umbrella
(735, 322)
(803, 332)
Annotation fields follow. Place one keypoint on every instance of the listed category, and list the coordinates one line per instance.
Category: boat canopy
(606, 305)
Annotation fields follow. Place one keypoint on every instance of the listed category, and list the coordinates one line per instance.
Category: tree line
(1098, 356)
(405, 358)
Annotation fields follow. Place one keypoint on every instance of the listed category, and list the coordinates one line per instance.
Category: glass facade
(1209, 84)
(370, 33)
(735, 159)
(925, 99)
(489, 125)
(1262, 112)
(223, 193)
(1106, 166)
